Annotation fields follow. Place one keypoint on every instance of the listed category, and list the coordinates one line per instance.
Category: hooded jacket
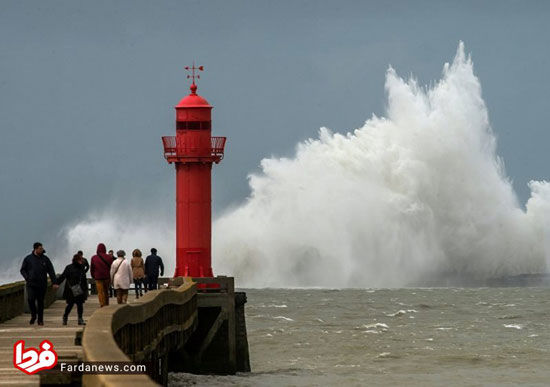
(100, 269)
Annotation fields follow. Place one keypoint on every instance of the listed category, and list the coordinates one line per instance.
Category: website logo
(30, 360)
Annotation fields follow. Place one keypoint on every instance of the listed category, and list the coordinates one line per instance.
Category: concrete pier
(190, 324)
(219, 344)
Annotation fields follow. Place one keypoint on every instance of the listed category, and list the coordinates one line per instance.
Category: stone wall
(12, 300)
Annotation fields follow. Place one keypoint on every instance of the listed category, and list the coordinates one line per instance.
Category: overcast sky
(88, 88)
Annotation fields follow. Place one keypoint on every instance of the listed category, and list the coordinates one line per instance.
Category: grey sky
(88, 88)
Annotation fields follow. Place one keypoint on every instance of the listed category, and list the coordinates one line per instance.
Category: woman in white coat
(121, 277)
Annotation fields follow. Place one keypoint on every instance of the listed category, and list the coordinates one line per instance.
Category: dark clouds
(88, 88)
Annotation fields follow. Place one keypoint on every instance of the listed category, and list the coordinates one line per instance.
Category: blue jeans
(138, 286)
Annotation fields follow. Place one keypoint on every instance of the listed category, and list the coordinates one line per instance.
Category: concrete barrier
(143, 332)
(219, 345)
(12, 300)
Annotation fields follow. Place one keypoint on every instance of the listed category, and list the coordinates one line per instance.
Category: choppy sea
(394, 337)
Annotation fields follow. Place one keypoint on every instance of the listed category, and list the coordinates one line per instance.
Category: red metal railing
(218, 144)
(169, 146)
(175, 147)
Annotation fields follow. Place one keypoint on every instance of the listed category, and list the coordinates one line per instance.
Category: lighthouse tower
(193, 150)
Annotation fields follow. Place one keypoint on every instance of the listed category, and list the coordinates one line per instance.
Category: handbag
(77, 290)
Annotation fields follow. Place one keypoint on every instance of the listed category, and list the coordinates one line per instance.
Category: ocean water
(412, 337)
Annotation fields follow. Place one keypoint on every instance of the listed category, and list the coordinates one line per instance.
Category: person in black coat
(35, 269)
(84, 261)
(152, 264)
(76, 288)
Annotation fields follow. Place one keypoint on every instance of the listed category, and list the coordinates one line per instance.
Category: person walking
(138, 270)
(100, 270)
(76, 288)
(84, 261)
(35, 268)
(152, 264)
(121, 277)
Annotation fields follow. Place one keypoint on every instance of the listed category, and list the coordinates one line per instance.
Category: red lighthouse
(193, 150)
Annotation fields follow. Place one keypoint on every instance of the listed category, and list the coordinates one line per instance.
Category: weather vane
(193, 75)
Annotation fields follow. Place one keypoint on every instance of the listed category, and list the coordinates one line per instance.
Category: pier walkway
(66, 339)
(188, 325)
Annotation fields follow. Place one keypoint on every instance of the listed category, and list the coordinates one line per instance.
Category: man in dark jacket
(100, 269)
(35, 269)
(152, 264)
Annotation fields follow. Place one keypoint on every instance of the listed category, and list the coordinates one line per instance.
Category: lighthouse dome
(193, 100)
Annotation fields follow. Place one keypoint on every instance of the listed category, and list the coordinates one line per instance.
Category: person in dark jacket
(84, 261)
(76, 288)
(152, 264)
(35, 269)
(100, 269)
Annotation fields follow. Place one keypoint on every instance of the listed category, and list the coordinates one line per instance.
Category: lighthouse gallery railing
(176, 147)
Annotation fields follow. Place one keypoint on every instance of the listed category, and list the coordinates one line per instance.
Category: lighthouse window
(193, 125)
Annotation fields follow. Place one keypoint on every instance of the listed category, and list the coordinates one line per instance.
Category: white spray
(416, 194)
